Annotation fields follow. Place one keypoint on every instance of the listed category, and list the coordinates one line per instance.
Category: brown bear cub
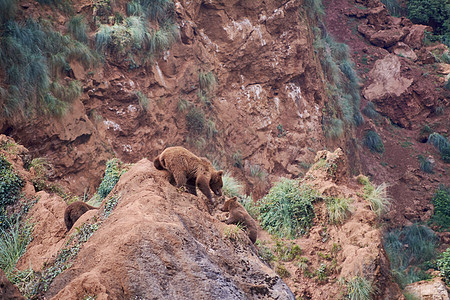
(238, 214)
(74, 211)
(190, 171)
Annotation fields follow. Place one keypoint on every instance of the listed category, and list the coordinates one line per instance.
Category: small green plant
(359, 288)
(287, 251)
(281, 270)
(231, 187)
(237, 159)
(338, 209)
(287, 209)
(281, 131)
(425, 164)
(143, 100)
(207, 81)
(322, 272)
(443, 265)
(441, 203)
(258, 172)
(373, 141)
(211, 130)
(264, 252)
(182, 105)
(233, 232)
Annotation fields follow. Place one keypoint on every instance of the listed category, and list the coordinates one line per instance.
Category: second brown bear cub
(238, 214)
(190, 171)
(74, 211)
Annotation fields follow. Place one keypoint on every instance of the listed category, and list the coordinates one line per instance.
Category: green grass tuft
(338, 209)
(112, 175)
(443, 265)
(373, 141)
(231, 187)
(207, 81)
(195, 120)
(77, 27)
(287, 210)
(359, 288)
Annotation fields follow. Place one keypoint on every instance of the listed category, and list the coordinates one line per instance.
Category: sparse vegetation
(287, 210)
(370, 111)
(258, 172)
(443, 265)
(287, 251)
(237, 159)
(250, 206)
(376, 195)
(112, 175)
(265, 253)
(373, 141)
(395, 8)
(233, 232)
(441, 203)
(195, 121)
(407, 249)
(338, 209)
(281, 270)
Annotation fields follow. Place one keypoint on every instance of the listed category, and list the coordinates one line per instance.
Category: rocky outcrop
(8, 290)
(428, 289)
(158, 243)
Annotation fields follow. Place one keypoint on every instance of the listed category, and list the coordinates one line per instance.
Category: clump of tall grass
(143, 100)
(407, 249)
(373, 141)
(370, 111)
(287, 210)
(34, 57)
(358, 288)
(442, 144)
(13, 244)
(8, 10)
(78, 27)
(207, 81)
(425, 164)
(157, 10)
(338, 209)
(231, 186)
(377, 197)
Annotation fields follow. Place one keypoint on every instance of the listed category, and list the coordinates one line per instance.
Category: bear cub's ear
(233, 199)
(220, 173)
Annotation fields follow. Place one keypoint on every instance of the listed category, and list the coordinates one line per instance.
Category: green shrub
(359, 288)
(237, 159)
(287, 251)
(333, 128)
(143, 100)
(373, 141)
(435, 13)
(112, 176)
(287, 210)
(211, 130)
(10, 182)
(443, 264)
(441, 203)
(338, 209)
(407, 249)
(78, 27)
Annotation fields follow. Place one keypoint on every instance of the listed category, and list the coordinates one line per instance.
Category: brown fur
(190, 171)
(74, 211)
(238, 214)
